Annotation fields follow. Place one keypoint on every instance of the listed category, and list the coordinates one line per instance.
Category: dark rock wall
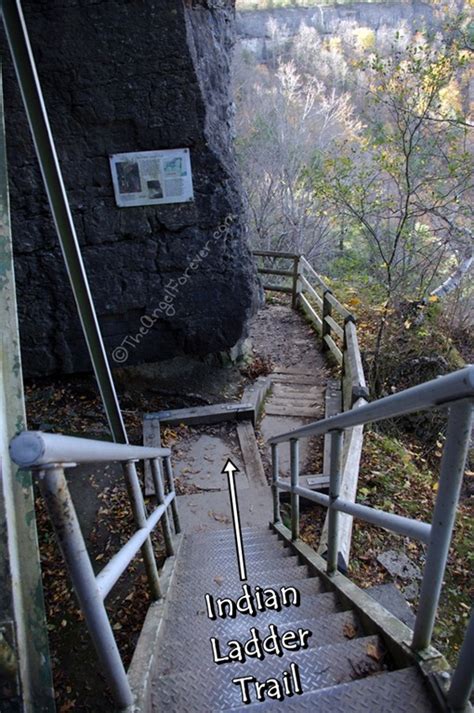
(122, 76)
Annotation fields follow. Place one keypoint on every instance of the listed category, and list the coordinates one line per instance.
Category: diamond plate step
(191, 625)
(227, 558)
(312, 585)
(228, 585)
(211, 689)
(205, 582)
(326, 630)
(393, 692)
(227, 565)
(251, 546)
(249, 534)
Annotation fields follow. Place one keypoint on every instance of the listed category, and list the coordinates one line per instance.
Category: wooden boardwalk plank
(204, 414)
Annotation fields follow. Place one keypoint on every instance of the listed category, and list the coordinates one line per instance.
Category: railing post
(54, 489)
(275, 472)
(160, 498)
(463, 677)
(174, 507)
(295, 287)
(327, 312)
(139, 515)
(335, 473)
(450, 481)
(295, 498)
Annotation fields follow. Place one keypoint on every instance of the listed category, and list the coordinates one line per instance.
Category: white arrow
(230, 468)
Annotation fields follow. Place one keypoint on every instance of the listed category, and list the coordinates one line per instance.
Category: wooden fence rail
(337, 327)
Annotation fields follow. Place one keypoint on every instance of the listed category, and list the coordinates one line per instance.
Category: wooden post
(327, 311)
(295, 287)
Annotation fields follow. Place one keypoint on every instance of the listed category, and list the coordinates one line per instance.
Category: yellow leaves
(375, 652)
(364, 37)
(349, 630)
(433, 298)
(335, 44)
(450, 97)
(354, 302)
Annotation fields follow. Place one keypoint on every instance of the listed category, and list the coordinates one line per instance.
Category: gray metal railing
(48, 455)
(454, 392)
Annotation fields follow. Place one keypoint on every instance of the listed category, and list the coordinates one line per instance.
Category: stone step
(211, 688)
(400, 691)
(336, 628)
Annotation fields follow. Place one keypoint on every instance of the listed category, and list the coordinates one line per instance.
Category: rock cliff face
(166, 280)
(256, 30)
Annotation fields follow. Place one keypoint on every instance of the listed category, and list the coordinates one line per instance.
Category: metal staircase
(204, 645)
(342, 667)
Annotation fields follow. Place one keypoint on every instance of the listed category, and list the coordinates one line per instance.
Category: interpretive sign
(152, 177)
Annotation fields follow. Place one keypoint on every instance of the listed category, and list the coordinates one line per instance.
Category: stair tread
(205, 582)
(228, 558)
(402, 691)
(250, 547)
(313, 605)
(310, 585)
(318, 668)
(325, 630)
(227, 567)
(224, 533)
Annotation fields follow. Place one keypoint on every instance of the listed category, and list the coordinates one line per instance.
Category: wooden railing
(335, 324)
(337, 327)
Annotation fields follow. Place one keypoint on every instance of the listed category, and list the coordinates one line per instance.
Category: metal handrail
(31, 449)
(454, 392)
(48, 455)
(432, 394)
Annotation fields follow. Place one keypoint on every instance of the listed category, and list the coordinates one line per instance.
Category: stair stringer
(374, 617)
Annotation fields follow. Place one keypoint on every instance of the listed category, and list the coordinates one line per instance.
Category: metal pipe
(396, 523)
(157, 476)
(117, 565)
(174, 506)
(295, 500)
(54, 489)
(276, 496)
(451, 474)
(335, 476)
(139, 515)
(463, 678)
(28, 80)
(438, 392)
(34, 448)
(388, 520)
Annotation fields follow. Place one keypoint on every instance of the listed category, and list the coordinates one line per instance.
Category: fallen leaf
(375, 652)
(349, 630)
